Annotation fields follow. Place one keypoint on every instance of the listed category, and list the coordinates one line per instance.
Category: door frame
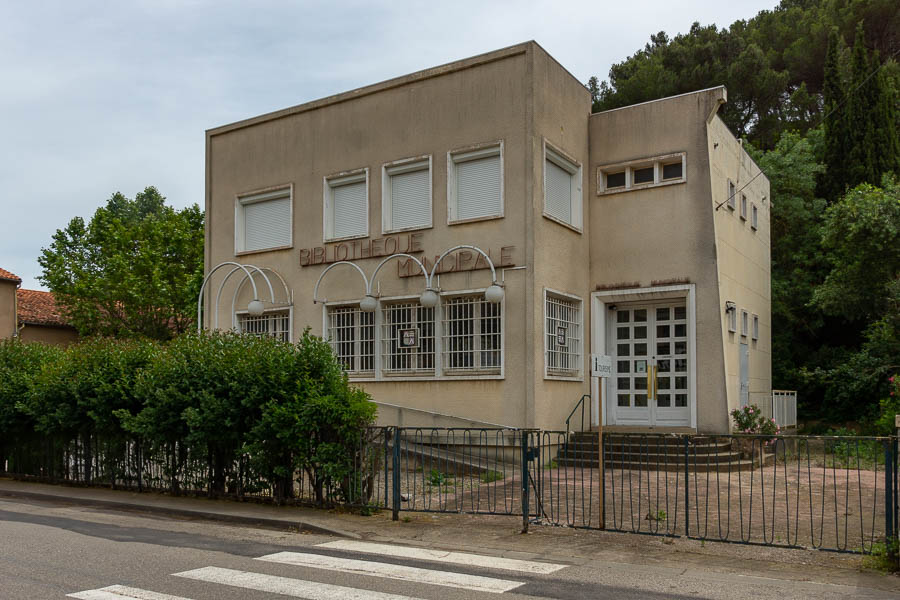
(600, 302)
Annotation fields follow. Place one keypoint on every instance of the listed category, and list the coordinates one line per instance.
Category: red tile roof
(4, 274)
(38, 308)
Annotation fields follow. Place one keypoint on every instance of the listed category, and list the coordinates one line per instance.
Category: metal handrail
(581, 403)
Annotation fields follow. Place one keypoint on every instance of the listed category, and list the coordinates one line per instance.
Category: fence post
(395, 477)
(687, 488)
(524, 481)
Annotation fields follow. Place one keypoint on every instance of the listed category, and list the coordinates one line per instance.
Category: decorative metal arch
(463, 247)
(330, 267)
(247, 272)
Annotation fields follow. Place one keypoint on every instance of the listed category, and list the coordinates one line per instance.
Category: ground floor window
(351, 333)
(471, 334)
(563, 335)
(407, 338)
(276, 324)
(461, 336)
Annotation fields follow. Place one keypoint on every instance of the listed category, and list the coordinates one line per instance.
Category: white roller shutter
(349, 206)
(267, 224)
(558, 192)
(410, 199)
(478, 188)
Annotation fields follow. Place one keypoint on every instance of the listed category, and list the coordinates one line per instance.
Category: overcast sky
(99, 97)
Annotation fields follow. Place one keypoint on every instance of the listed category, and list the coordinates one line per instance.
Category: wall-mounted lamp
(612, 307)
(730, 306)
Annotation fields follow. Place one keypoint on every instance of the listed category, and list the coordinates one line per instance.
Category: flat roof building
(641, 233)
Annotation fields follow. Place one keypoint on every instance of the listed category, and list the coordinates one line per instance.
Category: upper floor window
(641, 174)
(732, 195)
(562, 188)
(406, 195)
(475, 184)
(754, 216)
(263, 220)
(347, 206)
(744, 207)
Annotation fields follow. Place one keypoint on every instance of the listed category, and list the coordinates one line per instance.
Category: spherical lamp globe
(494, 294)
(429, 298)
(368, 303)
(255, 308)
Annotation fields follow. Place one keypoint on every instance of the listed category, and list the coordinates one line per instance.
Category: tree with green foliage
(134, 269)
(833, 180)
(772, 64)
(861, 237)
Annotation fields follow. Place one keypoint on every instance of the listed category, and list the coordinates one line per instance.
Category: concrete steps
(660, 453)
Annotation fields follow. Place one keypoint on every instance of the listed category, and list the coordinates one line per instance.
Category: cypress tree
(833, 179)
(886, 137)
(861, 108)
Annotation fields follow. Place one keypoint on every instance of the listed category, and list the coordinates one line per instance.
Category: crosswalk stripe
(377, 569)
(457, 558)
(121, 592)
(296, 588)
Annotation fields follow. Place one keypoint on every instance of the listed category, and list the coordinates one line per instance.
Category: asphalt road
(51, 551)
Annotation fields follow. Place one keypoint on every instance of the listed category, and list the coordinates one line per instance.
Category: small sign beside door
(601, 365)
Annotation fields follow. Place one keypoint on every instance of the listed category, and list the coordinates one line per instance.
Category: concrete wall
(744, 258)
(7, 308)
(664, 233)
(48, 334)
(480, 100)
(561, 109)
(523, 98)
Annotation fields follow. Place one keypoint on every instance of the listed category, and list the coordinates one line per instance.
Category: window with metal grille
(407, 339)
(276, 324)
(563, 335)
(351, 333)
(471, 335)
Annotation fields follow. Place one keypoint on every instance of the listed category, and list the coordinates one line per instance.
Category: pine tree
(833, 180)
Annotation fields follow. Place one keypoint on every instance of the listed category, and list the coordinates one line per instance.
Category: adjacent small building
(31, 315)
(552, 234)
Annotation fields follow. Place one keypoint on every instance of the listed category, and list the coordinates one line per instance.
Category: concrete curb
(266, 522)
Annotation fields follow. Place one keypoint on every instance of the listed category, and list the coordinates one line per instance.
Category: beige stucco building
(31, 315)
(641, 233)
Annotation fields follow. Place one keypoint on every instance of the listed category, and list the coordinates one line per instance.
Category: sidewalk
(499, 535)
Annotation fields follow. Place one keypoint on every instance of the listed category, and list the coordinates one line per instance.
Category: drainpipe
(16, 328)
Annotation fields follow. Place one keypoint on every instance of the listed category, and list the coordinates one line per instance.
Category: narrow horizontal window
(672, 171)
(615, 180)
(643, 175)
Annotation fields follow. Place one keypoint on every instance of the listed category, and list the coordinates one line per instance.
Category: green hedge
(280, 408)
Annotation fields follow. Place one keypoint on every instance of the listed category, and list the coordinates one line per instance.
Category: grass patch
(491, 476)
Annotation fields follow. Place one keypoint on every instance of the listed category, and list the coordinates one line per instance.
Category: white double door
(650, 346)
